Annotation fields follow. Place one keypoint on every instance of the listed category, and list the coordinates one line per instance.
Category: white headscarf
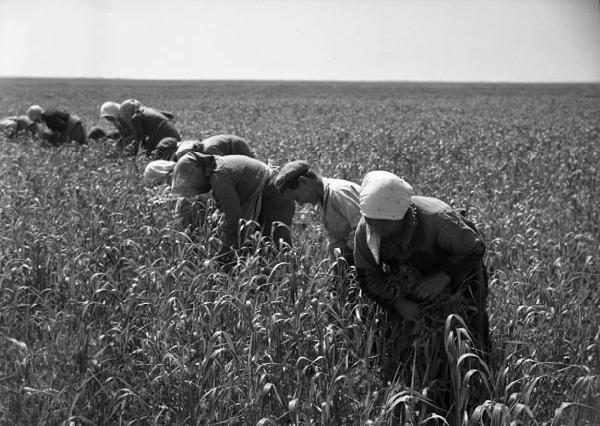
(129, 108)
(158, 172)
(385, 196)
(35, 113)
(109, 109)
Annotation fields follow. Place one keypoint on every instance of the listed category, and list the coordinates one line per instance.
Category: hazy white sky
(424, 40)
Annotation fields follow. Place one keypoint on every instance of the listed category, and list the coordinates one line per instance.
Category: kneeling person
(64, 127)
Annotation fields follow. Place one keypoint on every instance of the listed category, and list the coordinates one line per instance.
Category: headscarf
(158, 171)
(35, 113)
(384, 196)
(128, 108)
(190, 175)
(109, 109)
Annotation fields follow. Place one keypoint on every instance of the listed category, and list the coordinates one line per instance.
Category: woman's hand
(408, 309)
(432, 286)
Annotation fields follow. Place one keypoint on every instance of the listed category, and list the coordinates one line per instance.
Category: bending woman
(243, 188)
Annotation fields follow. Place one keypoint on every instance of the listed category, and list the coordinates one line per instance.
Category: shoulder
(217, 139)
(184, 147)
(435, 214)
(361, 247)
(430, 205)
(236, 139)
(148, 115)
(54, 112)
(342, 186)
(243, 162)
(361, 229)
(342, 192)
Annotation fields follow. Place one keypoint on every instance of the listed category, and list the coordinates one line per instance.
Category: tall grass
(111, 314)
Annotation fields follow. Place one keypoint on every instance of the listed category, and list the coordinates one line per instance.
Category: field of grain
(109, 314)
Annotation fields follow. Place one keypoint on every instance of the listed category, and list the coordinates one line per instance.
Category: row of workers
(135, 124)
(60, 126)
(379, 226)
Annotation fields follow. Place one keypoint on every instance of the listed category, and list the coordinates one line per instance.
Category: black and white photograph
(300, 212)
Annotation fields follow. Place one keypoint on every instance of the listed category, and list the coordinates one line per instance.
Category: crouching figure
(243, 188)
(422, 261)
(63, 127)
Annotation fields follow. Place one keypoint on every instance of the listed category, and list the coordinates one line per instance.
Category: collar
(410, 225)
(326, 191)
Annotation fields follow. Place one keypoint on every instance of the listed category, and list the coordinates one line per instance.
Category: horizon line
(284, 80)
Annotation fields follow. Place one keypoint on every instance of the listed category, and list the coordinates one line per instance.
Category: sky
(399, 40)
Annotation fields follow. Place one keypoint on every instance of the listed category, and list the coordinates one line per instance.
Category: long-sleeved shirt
(149, 126)
(242, 187)
(237, 184)
(340, 212)
(436, 239)
(56, 120)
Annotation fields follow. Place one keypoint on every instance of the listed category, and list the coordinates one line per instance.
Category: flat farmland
(111, 314)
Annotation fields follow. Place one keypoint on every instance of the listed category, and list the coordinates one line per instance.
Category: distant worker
(97, 133)
(110, 112)
(337, 199)
(149, 126)
(63, 127)
(13, 126)
(243, 188)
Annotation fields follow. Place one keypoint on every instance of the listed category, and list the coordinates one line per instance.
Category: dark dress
(150, 127)
(434, 238)
(64, 127)
(243, 188)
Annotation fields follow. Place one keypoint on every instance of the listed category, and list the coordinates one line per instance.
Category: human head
(96, 133)
(110, 111)
(296, 181)
(35, 113)
(191, 176)
(384, 201)
(128, 108)
(158, 172)
(165, 149)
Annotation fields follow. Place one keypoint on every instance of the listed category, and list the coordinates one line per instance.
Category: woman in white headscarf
(419, 258)
(400, 232)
